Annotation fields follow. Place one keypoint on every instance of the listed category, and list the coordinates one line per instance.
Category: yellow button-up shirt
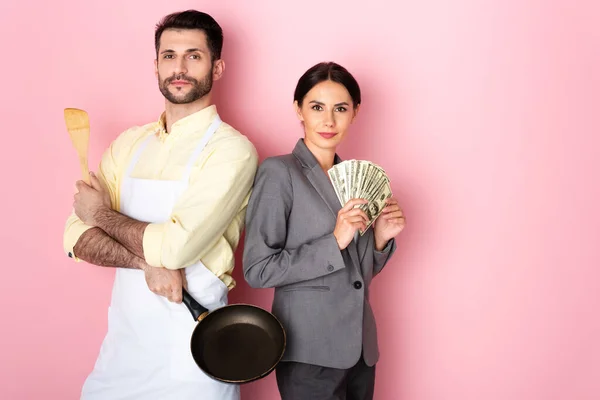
(208, 218)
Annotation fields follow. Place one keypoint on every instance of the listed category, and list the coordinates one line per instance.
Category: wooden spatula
(78, 125)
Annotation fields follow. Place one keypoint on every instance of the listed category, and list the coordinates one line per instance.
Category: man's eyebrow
(187, 51)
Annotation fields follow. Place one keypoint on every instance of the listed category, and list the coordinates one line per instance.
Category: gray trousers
(298, 381)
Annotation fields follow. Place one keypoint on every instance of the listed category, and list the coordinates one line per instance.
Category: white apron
(146, 352)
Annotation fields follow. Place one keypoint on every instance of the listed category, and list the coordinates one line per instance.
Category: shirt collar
(192, 123)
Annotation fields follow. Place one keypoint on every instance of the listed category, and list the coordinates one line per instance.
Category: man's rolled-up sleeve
(74, 228)
(215, 195)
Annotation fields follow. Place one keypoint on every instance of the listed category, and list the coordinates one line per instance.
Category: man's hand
(90, 199)
(165, 282)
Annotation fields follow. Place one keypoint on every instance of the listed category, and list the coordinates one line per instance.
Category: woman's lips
(327, 135)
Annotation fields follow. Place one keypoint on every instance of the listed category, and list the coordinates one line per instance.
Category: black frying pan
(237, 343)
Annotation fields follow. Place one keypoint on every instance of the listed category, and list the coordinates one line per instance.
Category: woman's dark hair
(192, 19)
(327, 71)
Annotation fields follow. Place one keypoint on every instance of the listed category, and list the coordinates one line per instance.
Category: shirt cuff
(152, 244)
(70, 239)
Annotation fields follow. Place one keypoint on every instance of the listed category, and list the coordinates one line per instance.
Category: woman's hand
(349, 220)
(389, 224)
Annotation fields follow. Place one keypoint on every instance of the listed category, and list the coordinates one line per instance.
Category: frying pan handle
(198, 312)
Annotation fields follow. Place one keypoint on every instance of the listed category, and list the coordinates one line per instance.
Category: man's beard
(199, 88)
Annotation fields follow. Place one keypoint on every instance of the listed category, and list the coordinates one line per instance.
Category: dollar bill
(377, 205)
(362, 168)
(335, 181)
(356, 176)
(361, 179)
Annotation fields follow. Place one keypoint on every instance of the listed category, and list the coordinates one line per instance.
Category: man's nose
(180, 67)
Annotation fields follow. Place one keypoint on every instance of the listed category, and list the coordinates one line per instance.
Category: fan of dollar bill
(358, 179)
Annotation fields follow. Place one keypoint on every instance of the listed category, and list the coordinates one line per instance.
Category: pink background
(484, 114)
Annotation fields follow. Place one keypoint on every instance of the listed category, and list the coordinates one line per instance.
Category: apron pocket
(183, 369)
(209, 291)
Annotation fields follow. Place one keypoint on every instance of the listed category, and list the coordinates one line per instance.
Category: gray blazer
(321, 293)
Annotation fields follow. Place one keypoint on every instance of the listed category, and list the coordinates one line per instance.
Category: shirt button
(330, 268)
(357, 285)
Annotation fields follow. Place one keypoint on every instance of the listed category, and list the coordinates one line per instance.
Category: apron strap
(137, 155)
(209, 133)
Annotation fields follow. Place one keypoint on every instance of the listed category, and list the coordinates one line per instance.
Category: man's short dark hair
(192, 19)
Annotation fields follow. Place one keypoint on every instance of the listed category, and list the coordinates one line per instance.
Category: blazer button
(357, 285)
(330, 268)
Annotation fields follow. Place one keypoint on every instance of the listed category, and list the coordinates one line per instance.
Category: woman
(300, 241)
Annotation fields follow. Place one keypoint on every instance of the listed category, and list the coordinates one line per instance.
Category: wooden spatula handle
(85, 172)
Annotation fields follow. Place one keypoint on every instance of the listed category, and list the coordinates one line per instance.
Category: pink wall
(484, 113)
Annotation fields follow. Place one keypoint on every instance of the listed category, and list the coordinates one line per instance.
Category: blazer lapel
(322, 184)
(317, 177)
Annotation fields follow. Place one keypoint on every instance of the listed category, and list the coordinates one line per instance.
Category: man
(166, 208)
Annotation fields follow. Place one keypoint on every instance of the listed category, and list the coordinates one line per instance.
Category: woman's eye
(341, 109)
(317, 107)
